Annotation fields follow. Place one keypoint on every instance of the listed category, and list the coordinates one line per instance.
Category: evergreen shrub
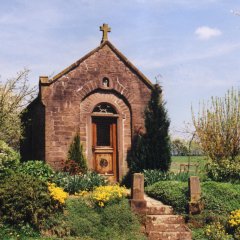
(25, 200)
(157, 139)
(76, 154)
(152, 149)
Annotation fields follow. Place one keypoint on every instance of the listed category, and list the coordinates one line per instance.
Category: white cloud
(186, 57)
(205, 32)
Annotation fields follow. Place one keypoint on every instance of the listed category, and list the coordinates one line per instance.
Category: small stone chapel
(102, 96)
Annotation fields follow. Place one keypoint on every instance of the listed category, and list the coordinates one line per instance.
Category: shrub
(224, 171)
(119, 222)
(155, 175)
(57, 193)
(76, 183)
(234, 219)
(221, 198)
(76, 154)
(114, 222)
(38, 169)
(20, 232)
(9, 160)
(82, 219)
(71, 167)
(216, 231)
(24, 199)
(104, 195)
(157, 140)
(56, 226)
(170, 192)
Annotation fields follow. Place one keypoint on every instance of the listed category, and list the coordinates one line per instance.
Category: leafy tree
(157, 140)
(15, 94)
(179, 147)
(76, 154)
(218, 127)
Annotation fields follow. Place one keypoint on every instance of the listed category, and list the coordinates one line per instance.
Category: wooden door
(105, 146)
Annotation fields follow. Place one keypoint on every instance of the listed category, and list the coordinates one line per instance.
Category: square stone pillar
(138, 204)
(195, 204)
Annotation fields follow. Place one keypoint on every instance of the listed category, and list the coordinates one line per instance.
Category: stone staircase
(162, 224)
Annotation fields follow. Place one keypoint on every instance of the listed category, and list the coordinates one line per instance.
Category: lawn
(198, 163)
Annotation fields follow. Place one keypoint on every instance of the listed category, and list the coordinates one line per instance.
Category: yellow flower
(103, 194)
(57, 193)
(234, 219)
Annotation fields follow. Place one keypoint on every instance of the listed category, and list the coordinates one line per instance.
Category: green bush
(9, 160)
(82, 219)
(24, 199)
(114, 222)
(23, 232)
(119, 222)
(172, 193)
(155, 175)
(224, 171)
(76, 183)
(216, 231)
(221, 198)
(38, 169)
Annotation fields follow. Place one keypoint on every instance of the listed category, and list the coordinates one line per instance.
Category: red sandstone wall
(65, 102)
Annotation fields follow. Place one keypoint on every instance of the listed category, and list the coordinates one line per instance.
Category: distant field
(195, 160)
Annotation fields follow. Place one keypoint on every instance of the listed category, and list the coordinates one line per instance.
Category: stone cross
(105, 29)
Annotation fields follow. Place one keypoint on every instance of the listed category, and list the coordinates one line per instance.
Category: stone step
(159, 210)
(163, 227)
(168, 219)
(154, 235)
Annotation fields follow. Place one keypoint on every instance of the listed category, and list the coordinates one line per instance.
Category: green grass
(198, 160)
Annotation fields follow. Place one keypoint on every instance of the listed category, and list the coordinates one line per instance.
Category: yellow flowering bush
(216, 231)
(57, 193)
(105, 194)
(234, 219)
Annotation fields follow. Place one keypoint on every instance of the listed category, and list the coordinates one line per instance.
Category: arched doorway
(104, 140)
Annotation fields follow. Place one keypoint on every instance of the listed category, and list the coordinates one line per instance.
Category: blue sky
(192, 47)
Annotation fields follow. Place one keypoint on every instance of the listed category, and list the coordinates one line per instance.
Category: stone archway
(123, 127)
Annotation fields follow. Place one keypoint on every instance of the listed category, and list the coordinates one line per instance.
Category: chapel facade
(102, 97)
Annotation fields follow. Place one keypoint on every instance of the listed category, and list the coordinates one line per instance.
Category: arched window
(105, 82)
(104, 108)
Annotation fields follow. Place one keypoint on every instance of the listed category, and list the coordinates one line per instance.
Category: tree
(218, 127)
(157, 140)
(179, 147)
(137, 156)
(15, 94)
(76, 154)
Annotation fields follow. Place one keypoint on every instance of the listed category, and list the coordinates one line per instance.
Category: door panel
(104, 145)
